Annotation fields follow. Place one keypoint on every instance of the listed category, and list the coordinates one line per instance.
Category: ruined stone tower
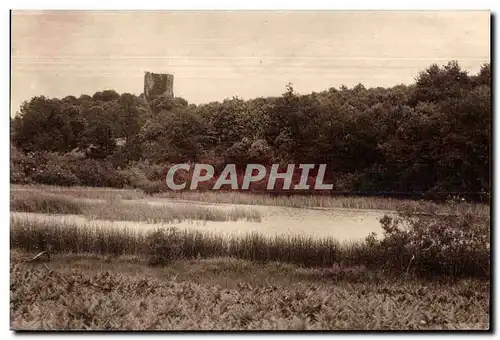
(156, 84)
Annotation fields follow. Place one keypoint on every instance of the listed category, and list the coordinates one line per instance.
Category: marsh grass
(427, 239)
(44, 203)
(67, 237)
(165, 214)
(414, 244)
(114, 209)
(234, 197)
(295, 201)
(319, 201)
(81, 192)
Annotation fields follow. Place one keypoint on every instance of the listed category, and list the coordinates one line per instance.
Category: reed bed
(318, 201)
(165, 214)
(453, 239)
(457, 256)
(45, 203)
(81, 192)
(116, 210)
(66, 237)
(295, 201)
(234, 197)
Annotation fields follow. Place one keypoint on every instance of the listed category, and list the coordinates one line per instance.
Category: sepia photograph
(250, 170)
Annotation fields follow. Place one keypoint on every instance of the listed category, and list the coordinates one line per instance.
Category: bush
(153, 172)
(19, 177)
(164, 246)
(17, 166)
(148, 180)
(55, 174)
(98, 173)
(150, 188)
(434, 244)
(133, 176)
(24, 166)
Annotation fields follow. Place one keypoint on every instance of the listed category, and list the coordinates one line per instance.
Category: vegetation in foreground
(424, 244)
(75, 292)
(427, 271)
(116, 210)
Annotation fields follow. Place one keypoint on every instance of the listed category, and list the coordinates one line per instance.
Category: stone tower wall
(156, 84)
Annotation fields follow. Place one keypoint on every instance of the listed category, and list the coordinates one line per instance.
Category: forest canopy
(432, 136)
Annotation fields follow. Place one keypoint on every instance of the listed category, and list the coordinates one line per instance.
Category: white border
(179, 5)
(258, 5)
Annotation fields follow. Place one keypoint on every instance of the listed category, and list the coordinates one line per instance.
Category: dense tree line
(433, 136)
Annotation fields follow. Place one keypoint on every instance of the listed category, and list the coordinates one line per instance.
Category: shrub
(18, 177)
(55, 174)
(164, 246)
(431, 243)
(150, 187)
(98, 173)
(18, 166)
(153, 172)
(41, 167)
(133, 176)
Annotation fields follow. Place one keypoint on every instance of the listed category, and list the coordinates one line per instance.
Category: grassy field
(90, 292)
(429, 270)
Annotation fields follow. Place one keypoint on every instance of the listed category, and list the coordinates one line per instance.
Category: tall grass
(318, 201)
(81, 192)
(116, 210)
(45, 203)
(233, 197)
(165, 214)
(420, 244)
(31, 235)
(297, 201)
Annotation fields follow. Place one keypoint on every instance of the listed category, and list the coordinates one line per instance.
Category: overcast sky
(217, 55)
